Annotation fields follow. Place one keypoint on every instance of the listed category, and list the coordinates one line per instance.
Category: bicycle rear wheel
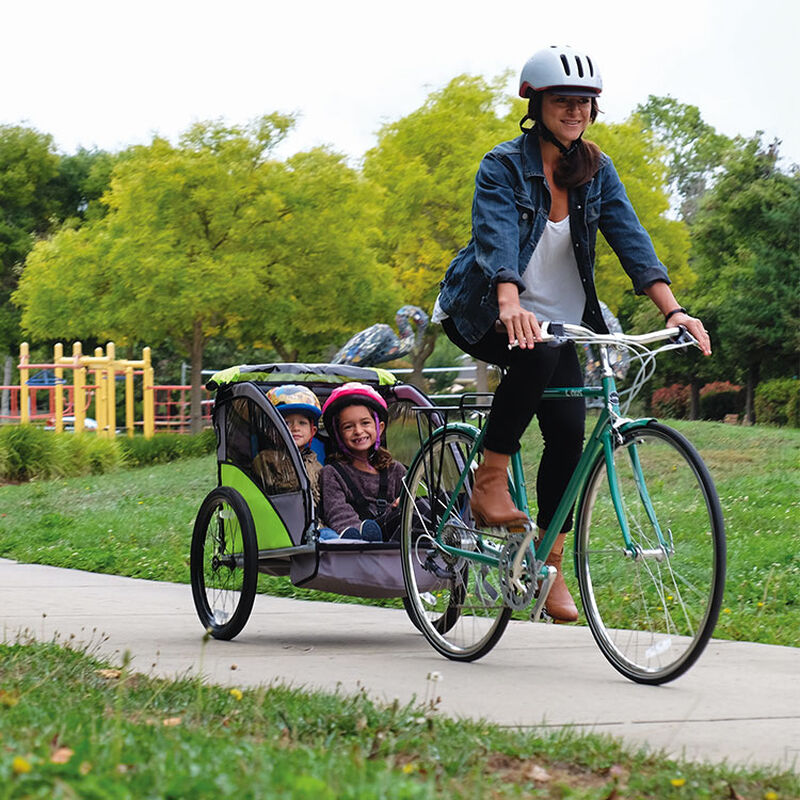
(223, 563)
(651, 612)
(454, 600)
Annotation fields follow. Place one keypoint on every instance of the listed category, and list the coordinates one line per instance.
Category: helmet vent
(565, 63)
(591, 66)
(580, 66)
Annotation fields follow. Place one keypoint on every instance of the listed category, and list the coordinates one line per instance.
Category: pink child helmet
(351, 394)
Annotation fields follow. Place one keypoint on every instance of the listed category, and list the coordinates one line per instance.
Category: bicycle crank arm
(544, 589)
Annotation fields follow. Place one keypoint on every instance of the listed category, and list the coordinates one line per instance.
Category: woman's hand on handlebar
(521, 325)
(696, 329)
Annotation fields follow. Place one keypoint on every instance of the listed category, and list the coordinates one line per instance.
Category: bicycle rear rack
(472, 408)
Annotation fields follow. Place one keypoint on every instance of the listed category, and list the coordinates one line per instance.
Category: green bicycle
(649, 543)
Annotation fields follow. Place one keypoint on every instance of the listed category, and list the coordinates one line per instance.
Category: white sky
(113, 73)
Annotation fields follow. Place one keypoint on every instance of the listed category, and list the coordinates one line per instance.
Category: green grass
(138, 523)
(122, 735)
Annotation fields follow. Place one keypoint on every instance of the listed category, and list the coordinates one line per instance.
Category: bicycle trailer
(249, 524)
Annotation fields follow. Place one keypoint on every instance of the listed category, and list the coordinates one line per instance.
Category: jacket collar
(531, 156)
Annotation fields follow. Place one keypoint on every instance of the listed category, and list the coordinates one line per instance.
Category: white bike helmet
(562, 70)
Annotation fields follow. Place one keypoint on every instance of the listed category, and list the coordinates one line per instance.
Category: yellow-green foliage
(28, 452)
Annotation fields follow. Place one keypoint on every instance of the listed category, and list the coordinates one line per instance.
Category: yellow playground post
(105, 367)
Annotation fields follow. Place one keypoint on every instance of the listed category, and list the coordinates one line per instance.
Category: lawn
(123, 735)
(138, 523)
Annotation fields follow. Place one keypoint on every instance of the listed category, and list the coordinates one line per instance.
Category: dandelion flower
(20, 765)
(678, 781)
(236, 694)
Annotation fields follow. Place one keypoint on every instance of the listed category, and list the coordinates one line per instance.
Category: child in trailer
(301, 411)
(361, 482)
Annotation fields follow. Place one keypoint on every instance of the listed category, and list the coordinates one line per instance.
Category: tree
(323, 277)
(695, 150)
(81, 181)
(425, 164)
(202, 238)
(28, 165)
(745, 251)
(639, 161)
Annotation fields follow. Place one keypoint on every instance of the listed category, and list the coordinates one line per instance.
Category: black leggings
(519, 396)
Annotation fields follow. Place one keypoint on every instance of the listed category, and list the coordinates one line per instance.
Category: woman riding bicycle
(539, 202)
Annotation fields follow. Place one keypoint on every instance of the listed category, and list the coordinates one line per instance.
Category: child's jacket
(275, 469)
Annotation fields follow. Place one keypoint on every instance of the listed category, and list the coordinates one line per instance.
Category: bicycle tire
(223, 563)
(463, 616)
(652, 616)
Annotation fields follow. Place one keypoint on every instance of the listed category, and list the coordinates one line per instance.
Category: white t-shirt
(553, 287)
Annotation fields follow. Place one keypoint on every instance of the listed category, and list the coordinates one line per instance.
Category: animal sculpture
(379, 343)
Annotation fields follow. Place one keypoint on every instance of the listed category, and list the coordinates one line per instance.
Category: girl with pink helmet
(361, 482)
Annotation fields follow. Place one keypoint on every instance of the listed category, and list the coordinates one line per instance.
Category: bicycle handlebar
(555, 331)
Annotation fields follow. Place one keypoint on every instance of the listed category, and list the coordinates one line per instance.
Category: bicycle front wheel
(224, 563)
(454, 599)
(652, 607)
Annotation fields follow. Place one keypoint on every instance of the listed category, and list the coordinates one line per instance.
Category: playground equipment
(104, 369)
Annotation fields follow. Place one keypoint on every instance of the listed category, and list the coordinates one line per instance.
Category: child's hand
(396, 502)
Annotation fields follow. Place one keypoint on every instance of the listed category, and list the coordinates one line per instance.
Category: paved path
(740, 703)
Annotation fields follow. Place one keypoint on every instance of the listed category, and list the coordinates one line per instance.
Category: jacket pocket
(593, 206)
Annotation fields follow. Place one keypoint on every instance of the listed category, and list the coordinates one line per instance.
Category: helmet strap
(377, 431)
(534, 111)
(548, 136)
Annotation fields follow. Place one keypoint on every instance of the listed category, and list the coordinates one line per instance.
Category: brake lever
(556, 330)
(684, 337)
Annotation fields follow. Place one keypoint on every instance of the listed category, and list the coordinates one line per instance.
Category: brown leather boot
(559, 604)
(491, 502)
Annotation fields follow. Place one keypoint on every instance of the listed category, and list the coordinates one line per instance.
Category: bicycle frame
(609, 426)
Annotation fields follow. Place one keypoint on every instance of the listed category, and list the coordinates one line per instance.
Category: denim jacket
(509, 213)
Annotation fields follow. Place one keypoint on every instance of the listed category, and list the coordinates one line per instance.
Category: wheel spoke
(224, 563)
(456, 601)
(652, 614)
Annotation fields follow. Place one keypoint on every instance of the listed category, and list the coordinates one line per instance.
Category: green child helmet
(294, 399)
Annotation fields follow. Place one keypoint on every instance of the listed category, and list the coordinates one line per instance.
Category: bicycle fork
(633, 550)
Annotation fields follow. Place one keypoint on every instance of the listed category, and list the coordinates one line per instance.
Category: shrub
(27, 452)
(105, 455)
(777, 402)
(164, 447)
(720, 398)
(671, 401)
(71, 454)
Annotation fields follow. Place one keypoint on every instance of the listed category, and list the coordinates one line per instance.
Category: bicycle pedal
(521, 528)
(503, 531)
